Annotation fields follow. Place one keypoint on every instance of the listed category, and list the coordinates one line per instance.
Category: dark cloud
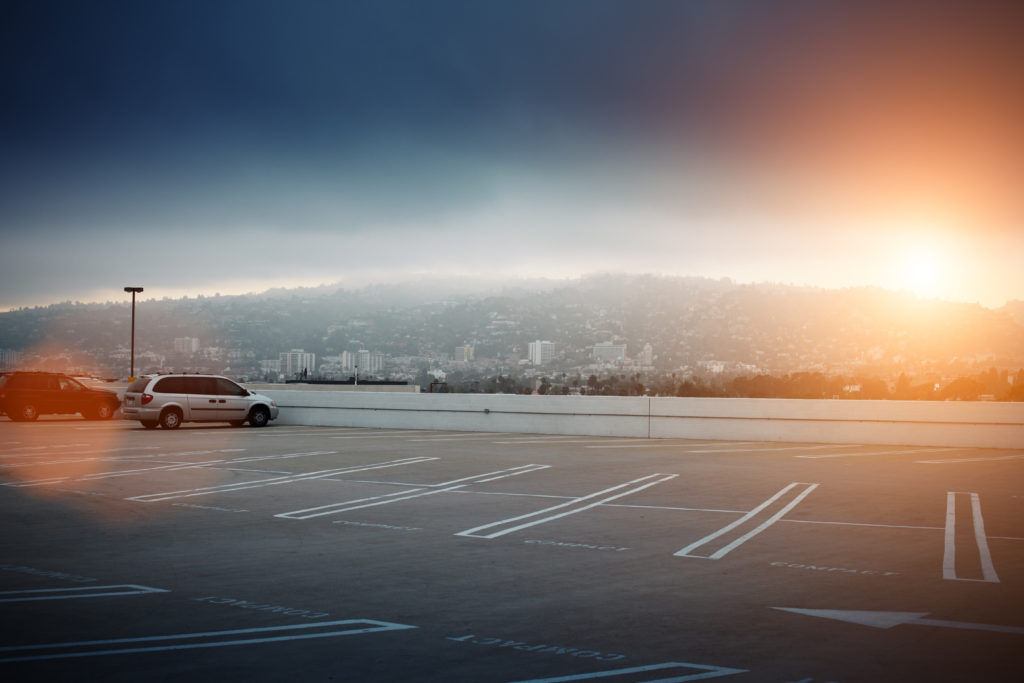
(424, 119)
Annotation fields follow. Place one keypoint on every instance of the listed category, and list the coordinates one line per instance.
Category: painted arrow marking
(879, 619)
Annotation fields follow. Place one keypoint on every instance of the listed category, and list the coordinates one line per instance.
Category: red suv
(24, 396)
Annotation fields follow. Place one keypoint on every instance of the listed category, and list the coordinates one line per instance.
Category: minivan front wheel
(170, 419)
(259, 417)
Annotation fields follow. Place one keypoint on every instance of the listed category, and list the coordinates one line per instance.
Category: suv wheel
(103, 411)
(26, 412)
(259, 417)
(170, 419)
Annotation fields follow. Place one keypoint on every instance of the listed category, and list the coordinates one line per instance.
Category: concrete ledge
(923, 423)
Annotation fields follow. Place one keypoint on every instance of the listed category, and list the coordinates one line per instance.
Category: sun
(924, 272)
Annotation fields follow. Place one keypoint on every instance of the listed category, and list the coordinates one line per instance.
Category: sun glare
(925, 273)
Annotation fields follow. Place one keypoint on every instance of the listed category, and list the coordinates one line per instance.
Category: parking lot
(315, 553)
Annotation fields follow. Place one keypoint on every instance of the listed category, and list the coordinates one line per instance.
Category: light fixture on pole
(133, 290)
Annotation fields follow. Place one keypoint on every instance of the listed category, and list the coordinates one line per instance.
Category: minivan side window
(201, 385)
(171, 385)
(226, 387)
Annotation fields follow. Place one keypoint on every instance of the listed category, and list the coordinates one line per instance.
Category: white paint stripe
(949, 548)
(780, 448)
(286, 456)
(469, 436)
(244, 469)
(764, 525)
(278, 431)
(865, 455)
(333, 507)
(571, 511)
(77, 592)
(707, 672)
(240, 486)
(117, 458)
(686, 552)
(374, 627)
(363, 437)
(46, 450)
(42, 448)
(947, 461)
(350, 505)
(280, 480)
(659, 443)
(988, 571)
(108, 475)
(884, 526)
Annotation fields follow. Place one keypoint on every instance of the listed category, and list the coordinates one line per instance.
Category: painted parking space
(511, 557)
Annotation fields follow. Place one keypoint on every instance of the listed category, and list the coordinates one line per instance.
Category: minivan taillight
(146, 398)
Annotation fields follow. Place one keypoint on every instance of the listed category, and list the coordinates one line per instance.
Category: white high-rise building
(8, 359)
(186, 344)
(541, 352)
(295, 361)
(370, 362)
(607, 351)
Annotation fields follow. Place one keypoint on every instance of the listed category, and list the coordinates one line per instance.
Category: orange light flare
(59, 453)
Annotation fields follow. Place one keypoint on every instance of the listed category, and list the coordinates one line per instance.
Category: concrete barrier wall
(924, 423)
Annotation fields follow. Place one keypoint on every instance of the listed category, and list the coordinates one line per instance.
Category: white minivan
(169, 400)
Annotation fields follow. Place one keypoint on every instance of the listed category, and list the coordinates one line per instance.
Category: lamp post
(133, 290)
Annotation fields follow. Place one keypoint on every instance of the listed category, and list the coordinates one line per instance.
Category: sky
(201, 147)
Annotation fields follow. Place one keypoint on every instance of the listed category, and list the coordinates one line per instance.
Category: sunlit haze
(210, 147)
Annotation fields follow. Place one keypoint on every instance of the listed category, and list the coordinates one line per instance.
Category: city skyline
(198, 148)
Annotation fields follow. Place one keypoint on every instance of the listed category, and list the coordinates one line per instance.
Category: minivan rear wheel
(259, 417)
(170, 419)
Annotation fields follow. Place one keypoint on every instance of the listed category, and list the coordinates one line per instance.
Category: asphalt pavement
(315, 554)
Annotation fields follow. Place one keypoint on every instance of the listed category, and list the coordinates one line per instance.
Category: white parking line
(370, 626)
(468, 436)
(569, 508)
(76, 592)
(947, 461)
(659, 443)
(749, 517)
(14, 453)
(706, 672)
(274, 481)
(96, 476)
(347, 506)
(279, 431)
(866, 455)
(988, 571)
(782, 448)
